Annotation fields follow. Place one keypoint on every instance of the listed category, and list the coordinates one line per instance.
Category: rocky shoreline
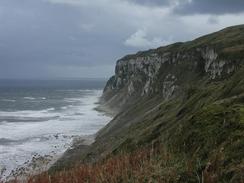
(41, 163)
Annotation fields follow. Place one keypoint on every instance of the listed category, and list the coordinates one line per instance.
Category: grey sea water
(43, 117)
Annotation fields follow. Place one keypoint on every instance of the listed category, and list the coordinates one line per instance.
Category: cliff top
(229, 42)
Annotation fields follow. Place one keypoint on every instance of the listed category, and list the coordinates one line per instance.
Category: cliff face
(187, 98)
(164, 70)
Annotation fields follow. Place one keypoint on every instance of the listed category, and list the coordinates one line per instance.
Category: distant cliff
(186, 98)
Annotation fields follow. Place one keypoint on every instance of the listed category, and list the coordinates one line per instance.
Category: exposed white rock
(169, 86)
(230, 69)
(131, 88)
(147, 67)
(216, 67)
(210, 56)
(118, 83)
(144, 71)
(146, 88)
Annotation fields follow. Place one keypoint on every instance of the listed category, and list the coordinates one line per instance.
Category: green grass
(242, 114)
(202, 124)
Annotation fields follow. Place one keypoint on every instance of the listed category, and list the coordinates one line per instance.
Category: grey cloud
(216, 7)
(36, 34)
(198, 6)
(151, 2)
(63, 38)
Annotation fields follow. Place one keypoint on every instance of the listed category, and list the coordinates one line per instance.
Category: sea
(43, 117)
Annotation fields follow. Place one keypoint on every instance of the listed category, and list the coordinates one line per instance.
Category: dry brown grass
(137, 167)
(141, 166)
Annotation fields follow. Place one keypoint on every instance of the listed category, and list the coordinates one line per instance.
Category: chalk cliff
(165, 70)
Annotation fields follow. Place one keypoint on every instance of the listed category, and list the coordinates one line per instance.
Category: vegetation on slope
(197, 136)
(153, 164)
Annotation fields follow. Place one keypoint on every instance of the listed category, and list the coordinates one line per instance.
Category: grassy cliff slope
(183, 105)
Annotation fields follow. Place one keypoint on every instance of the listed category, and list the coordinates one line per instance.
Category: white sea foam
(8, 100)
(83, 90)
(29, 98)
(51, 136)
(74, 99)
(29, 113)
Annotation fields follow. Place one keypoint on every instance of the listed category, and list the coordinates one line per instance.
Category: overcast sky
(84, 38)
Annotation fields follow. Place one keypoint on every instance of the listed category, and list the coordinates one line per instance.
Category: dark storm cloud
(198, 6)
(217, 7)
(84, 38)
